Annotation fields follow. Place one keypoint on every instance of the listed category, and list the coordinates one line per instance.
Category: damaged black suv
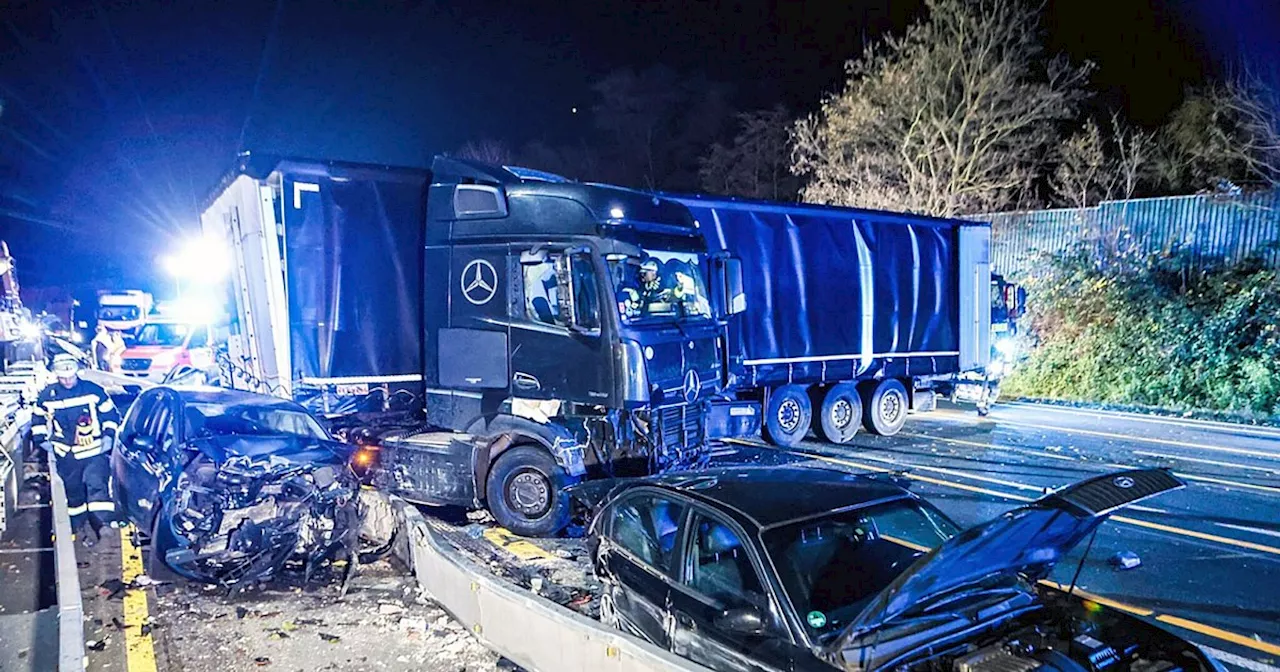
(231, 486)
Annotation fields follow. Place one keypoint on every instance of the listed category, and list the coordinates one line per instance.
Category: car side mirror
(742, 621)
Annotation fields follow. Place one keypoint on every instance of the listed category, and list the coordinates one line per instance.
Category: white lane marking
(1192, 423)
(992, 446)
(1239, 661)
(951, 472)
(1147, 439)
(1246, 528)
(1148, 509)
(1216, 463)
(20, 551)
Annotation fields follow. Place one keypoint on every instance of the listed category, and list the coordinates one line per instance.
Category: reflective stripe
(110, 425)
(107, 406)
(39, 410)
(82, 400)
(77, 510)
(102, 506)
(41, 430)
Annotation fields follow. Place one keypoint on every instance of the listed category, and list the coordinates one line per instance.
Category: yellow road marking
(1216, 463)
(975, 444)
(1225, 635)
(1197, 535)
(139, 649)
(908, 544)
(1094, 597)
(952, 472)
(1128, 437)
(504, 539)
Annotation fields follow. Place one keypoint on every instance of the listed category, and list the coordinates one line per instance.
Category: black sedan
(232, 485)
(799, 568)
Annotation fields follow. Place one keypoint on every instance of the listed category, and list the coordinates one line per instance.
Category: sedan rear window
(831, 567)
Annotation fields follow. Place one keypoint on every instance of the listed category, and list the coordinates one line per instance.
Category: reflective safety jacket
(75, 420)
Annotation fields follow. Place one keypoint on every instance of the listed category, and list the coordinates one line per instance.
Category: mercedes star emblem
(691, 385)
(1123, 482)
(479, 282)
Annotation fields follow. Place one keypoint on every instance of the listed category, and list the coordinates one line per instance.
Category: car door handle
(525, 381)
(685, 621)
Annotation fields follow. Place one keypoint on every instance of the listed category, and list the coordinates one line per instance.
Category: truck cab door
(558, 347)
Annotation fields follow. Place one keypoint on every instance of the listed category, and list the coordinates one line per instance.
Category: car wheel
(608, 611)
(884, 407)
(839, 412)
(525, 492)
(786, 420)
(161, 537)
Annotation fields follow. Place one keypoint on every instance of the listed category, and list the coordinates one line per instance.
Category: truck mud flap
(530, 631)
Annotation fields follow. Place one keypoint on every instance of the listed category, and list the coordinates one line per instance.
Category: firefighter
(76, 420)
(100, 346)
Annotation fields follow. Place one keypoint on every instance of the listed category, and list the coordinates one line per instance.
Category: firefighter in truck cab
(78, 422)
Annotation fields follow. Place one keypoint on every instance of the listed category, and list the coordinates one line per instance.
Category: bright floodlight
(615, 213)
(202, 260)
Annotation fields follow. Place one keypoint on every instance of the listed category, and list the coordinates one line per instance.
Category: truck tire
(884, 407)
(787, 419)
(839, 412)
(525, 492)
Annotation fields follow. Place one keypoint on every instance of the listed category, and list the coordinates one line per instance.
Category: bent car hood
(286, 447)
(1028, 540)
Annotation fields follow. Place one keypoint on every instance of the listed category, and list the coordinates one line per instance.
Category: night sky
(118, 117)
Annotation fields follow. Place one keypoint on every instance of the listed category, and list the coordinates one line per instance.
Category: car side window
(138, 415)
(720, 568)
(647, 526)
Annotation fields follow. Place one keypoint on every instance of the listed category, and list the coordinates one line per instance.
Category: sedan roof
(770, 496)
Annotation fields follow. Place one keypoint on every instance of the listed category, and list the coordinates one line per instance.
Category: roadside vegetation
(1149, 332)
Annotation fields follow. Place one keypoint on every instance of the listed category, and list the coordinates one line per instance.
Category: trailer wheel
(525, 492)
(884, 407)
(839, 412)
(788, 417)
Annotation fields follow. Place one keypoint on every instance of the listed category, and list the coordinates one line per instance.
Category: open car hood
(1028, 540)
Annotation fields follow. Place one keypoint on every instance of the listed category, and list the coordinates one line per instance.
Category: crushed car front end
(249, 515)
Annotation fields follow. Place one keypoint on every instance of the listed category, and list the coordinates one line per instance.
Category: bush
(1153, 333)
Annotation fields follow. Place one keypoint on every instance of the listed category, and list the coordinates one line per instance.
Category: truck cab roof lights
(616, 213)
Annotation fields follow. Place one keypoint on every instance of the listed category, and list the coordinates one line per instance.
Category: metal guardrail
(530, 631)
(71, 654)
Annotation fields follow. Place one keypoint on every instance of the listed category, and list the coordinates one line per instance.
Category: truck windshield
(118, 313)
(172, 335)
(658, 286)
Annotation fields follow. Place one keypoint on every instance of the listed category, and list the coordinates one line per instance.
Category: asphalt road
(1210, 552)
(28, 600)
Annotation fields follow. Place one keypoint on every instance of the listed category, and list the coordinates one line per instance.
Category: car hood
(276, 448)
(1028, 541)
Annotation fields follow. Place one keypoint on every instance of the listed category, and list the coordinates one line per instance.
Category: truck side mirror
(564, 295)
(1020, 302)
(533, 257)
(735, 296)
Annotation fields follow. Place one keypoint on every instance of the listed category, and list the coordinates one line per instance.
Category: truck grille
(135, 364)
(680, 427)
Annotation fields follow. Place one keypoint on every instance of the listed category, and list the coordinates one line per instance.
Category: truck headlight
(995, 368)
(31, 330)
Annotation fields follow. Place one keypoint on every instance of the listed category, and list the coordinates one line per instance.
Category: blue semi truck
(845, 317)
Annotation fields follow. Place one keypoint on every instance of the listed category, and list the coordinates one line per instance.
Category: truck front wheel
(884, 407)
(525, 492)
(787, 418)
(839, 411)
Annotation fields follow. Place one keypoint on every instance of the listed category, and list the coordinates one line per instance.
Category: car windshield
(118, 313)
(658, 286)
(172, 335)
(833, 566)
(205, 419)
